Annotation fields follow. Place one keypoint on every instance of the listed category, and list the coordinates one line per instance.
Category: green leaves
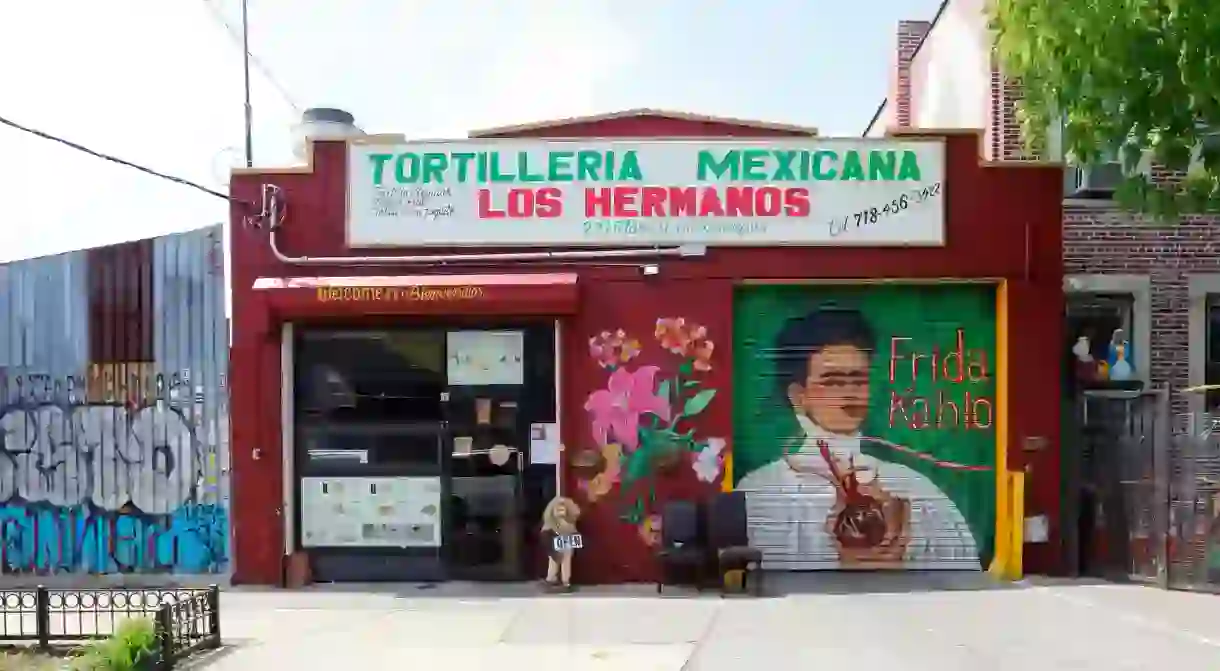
(695, 404)
(1129, 79)
(663, 390)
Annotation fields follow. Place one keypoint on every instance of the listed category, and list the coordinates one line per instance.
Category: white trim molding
(288, 435)
(1139, 287)
(1199, 288)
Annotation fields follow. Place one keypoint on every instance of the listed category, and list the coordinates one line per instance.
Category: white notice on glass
(479, 358)
(544, 443)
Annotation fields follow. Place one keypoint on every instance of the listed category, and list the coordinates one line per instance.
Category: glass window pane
(371, 375)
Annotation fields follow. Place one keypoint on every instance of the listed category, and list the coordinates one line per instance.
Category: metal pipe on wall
(273, 214)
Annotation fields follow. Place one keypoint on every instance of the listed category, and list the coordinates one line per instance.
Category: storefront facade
(421, 331)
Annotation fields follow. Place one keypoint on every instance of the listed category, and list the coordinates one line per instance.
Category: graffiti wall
(113, 410)
(864, 424)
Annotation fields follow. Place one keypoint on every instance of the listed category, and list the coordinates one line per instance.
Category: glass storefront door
(412, 450)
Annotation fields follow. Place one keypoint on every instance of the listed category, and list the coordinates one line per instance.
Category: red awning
(502, 294)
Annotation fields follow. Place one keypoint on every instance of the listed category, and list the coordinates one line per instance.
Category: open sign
(569, 542)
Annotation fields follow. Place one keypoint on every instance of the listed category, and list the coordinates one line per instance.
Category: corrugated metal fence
(114, 410)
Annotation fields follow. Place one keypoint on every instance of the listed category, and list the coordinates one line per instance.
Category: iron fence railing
(185, 620)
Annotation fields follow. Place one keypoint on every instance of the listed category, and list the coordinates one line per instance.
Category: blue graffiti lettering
(108, 488)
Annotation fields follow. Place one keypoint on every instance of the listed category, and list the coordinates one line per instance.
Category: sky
(159, 83)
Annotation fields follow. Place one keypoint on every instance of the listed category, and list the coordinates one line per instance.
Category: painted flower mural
(640, 420)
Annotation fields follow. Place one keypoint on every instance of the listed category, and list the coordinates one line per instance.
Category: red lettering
(520, 203)
(895, 357)
(485, 207)
(739, 201)
(942, 411)
(796, 202)
(682, 201)
(624, 201)
(597, 202)
(709, 203)
(979, 405)
(768, 201)
(955, 358)
(653, 202)
(549, 203)
(898, 411)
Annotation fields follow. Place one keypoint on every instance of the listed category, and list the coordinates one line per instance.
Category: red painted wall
(1002, 223)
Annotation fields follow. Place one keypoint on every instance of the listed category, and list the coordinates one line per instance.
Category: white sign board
(479, 358)
(858, 192)
(371, 512)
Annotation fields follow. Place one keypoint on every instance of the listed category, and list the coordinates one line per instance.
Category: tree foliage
(1133, 77)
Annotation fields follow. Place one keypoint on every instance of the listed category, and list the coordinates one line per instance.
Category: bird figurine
(1083, 350)
(1121, 368)
(1086, 367)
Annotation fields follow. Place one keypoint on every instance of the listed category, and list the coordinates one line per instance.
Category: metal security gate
(1116, 475)
(1193, 544)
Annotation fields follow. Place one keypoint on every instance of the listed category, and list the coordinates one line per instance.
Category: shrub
(132, 647)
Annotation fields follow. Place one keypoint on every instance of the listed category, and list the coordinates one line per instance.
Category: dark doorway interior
(377, 403)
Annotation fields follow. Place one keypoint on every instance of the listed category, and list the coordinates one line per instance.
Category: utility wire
(236, 36)
(113, 159)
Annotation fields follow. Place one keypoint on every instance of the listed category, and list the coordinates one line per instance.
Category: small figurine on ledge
(1120, 356)
(560, 539)
(1086, 367)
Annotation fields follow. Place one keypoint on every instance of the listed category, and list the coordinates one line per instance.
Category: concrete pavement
(942, 621)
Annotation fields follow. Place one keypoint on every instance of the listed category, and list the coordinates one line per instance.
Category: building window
(1096, 316)
(1212, 352)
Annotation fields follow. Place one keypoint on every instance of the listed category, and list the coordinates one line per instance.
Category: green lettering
(754, 165)
(496, 175)
(559, 166)
(820, 171)
(378, 161)
(731, 164)
(523, 168)
(631, 168)
(881, 165)
(783, 171)
(482, 167)
(434, 168)
(406, 168)
(852, 170)
(462, 160)
(587, 165)
(908, 170)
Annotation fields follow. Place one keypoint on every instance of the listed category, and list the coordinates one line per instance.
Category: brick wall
(910, 35)
(1107, 240)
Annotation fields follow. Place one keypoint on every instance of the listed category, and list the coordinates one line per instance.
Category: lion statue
(559, 519)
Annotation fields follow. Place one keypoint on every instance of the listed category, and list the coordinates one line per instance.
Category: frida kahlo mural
(863, 424)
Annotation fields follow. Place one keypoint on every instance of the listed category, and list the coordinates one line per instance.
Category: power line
(239, 40)
(113, 159)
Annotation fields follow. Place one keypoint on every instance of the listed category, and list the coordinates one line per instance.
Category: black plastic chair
(729, 541)
(681, 546)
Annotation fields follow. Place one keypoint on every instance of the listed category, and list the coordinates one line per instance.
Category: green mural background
(928, 314)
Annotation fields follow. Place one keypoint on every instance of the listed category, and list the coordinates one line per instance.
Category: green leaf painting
(695, 404)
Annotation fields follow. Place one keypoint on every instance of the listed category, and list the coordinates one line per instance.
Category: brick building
(1160, 283)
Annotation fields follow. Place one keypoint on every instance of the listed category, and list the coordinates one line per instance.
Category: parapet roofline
(642, 112)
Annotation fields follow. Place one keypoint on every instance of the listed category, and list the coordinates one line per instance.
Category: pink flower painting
(616, 410)
(635, 419)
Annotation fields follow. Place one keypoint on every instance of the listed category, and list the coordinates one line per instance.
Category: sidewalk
(862, 621)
